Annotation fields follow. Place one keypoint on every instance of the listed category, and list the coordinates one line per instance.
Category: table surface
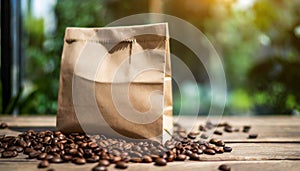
(277, 146)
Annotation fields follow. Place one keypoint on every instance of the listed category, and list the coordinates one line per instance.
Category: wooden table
(277, 146)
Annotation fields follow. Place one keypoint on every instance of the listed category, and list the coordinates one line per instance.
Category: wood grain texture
(276, 148)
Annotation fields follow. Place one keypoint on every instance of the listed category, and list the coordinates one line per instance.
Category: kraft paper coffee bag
(116, 81)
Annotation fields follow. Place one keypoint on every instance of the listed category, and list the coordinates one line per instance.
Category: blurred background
(258, 40)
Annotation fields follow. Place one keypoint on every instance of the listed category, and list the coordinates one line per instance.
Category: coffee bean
(79, 161)
(19, 149)
(99, 168)
(93, 159)
(34, 154)
(42, 156)
(104, 163)
(228, 129)
(204, 136)
(227, 149)
(220, 143)
(160, 162)
(217, 132)
(191, 136)
(3, 125)
(43, 164)
(56, 159)
(194, 156)
(224, 167)
(246, 128)
(252, 136)
(181, 157)
(213, 140)
(136, 160)
(218, 149)
(147, 159)
(49, 157)
(121, 165)
(9, 154)
(202, 128)
(51, 169)
(209, 151)
(67, 158)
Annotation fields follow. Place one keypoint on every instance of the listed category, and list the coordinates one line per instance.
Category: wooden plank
(241, 152)
(269, 165)
(266, 133)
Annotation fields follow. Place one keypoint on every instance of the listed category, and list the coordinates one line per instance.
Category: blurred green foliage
(259, 45)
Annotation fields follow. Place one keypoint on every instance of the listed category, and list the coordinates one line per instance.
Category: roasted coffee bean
(49, 157)
(99, 168)
(160, 162)
(79, 161)
(42, 156)
(3, 125)
(67, 158)
(202, 128)
(19, 149)
(104, 163)
(121, 165)
(43, 164)
(224, 167)
(56, 159)
(170, 158)
(228, 129)
(181, 157)
(217, 132)
(220, 143)
(93, 159)
(227, 149)
(136, 160)
(204, 136)
(28, 150)
(246, 128)
(252, 136)
(147, 159)
(9, 154)
(213, 140)
(194, 156)
(34, 154)
(191, 136)
(218, 149)
(209, 151)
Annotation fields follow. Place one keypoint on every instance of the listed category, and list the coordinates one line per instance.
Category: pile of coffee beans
(55, 147)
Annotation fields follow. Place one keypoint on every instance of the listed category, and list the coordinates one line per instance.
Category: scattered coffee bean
(209, 151)
(3, 125)
(227, 149)
(147, 159)
(104, 163)
(57, 147)
(181, 157)
(9, 154)
(252, 136)
(224, 167)
(121, 165)
(99, 168)
(217, 132)
(56, 159)
(160, 162)
(246, 128)
(194, 156)
(220, 143)
(43, 164)
(228, 129)
(79, 161)
(213, 140)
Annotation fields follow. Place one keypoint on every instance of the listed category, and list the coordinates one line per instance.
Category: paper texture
(116, 81)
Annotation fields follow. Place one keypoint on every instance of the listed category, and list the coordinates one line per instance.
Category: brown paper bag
(116, 81)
